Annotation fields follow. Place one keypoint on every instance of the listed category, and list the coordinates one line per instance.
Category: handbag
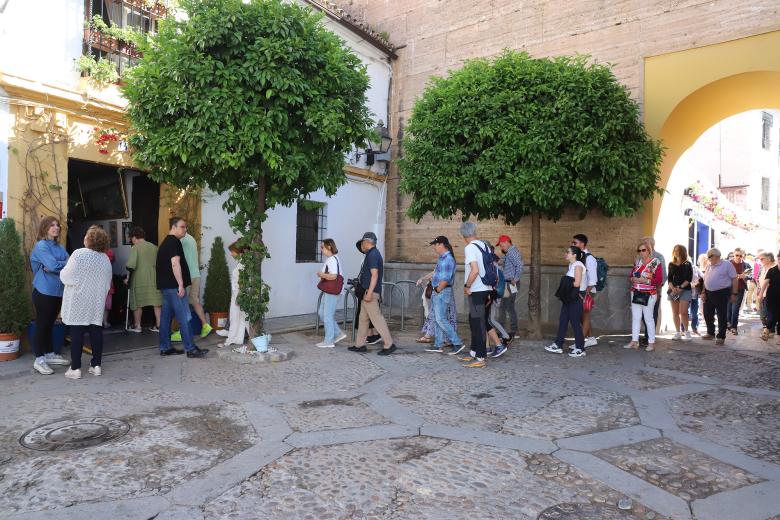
(429, 290)
(587, 303)
(640, 298)
(332, 286)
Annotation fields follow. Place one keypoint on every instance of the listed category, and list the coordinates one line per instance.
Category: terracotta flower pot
(218, 320)
(9, 346)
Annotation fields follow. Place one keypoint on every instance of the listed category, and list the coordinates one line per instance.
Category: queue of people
(77, 287)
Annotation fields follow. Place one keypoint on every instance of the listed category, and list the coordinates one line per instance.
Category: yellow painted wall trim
(364, 173)
(87, 102)
(687, 92)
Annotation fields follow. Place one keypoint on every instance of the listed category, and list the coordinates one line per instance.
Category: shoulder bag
(332, 286)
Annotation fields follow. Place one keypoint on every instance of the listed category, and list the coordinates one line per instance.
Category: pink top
(649, 268)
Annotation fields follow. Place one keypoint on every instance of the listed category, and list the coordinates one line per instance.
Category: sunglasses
(737, 256)
(641, 250)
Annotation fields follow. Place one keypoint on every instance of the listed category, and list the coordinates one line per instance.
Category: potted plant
(216, 295)
(14, 302)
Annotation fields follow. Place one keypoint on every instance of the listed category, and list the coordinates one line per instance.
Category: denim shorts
(685, 296)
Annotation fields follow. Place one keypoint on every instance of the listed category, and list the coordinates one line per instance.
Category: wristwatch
(467, 286)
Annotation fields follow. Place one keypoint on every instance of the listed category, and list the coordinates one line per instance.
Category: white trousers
(637, 312)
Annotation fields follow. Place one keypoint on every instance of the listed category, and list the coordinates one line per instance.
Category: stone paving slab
(677, 469)
(743, 421)
(330, 414)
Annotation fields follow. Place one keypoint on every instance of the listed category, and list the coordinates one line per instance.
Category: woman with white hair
(645, 279)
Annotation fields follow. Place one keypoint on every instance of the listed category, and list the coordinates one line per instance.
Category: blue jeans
(732, 312)
(444, 329)
(693, 313)
(328, 316)
(173, 306)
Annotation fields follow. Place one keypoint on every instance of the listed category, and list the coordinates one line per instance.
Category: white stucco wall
(356, 208)
(52, 32)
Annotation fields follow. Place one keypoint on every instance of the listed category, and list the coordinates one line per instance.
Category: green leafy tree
(255, 99)
(14, 302)
(216, 295)
(520, 136)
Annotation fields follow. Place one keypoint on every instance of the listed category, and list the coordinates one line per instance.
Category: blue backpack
(602, 268)
(491, 271)
(501, 285)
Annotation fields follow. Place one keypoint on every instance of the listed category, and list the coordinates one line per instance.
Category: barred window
(765, 193)
(311, 226)
(766, 127)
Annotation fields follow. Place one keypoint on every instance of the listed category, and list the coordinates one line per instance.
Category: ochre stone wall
(434, 36)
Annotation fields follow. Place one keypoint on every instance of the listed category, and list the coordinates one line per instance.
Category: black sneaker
(387, 351)
(171, 352)
(373, 340)
(197, 353)
(506, 341)
(456, 349)
(358, 349)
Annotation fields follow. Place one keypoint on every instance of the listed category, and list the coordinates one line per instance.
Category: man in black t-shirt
(173, 278)
(371, 283)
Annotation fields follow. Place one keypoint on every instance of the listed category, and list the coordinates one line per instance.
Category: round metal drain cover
(74, 434)
(585, 512)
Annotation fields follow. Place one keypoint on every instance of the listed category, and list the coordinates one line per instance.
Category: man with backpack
(592, 278)
(481, 279)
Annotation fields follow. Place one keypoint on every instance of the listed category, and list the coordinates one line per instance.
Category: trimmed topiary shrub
(216, 296)
(14, 298)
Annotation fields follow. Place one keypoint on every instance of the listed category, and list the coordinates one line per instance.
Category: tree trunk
(259, 326)
(534, 292)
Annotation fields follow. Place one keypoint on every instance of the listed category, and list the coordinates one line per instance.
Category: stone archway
(687, 92)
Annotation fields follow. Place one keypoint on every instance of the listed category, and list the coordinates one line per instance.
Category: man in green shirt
(191, 255)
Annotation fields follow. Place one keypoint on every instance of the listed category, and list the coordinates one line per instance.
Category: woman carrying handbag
(331, 283)
(645, 278)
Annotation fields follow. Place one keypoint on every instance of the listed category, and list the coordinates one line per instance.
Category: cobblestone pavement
(690, 431)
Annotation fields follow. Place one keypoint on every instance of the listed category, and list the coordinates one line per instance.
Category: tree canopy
(505, 138)
(257, 99)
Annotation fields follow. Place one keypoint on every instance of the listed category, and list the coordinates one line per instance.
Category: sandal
(765, 334)
(425, 339)
(632, 345)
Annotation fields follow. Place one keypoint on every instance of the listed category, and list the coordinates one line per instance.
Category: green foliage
(14, 302)
(257, 99)
(101, 71)
(505, 138)
(216, 295)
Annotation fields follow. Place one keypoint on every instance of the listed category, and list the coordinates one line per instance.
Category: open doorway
(115, 199)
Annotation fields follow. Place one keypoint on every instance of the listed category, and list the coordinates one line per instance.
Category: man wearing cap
(443, 280)
(513, 269)
(371, 288)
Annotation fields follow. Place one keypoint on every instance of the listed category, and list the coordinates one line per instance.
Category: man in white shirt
(591, 276)
(478, 295)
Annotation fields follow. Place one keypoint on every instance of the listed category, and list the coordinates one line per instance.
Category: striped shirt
(513, 264)
(649, 270)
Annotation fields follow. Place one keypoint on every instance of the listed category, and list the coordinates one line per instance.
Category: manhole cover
(585, 512)
(74, 434)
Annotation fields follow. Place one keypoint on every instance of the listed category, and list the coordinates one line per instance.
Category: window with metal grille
(311, 225)
(766, 126)
(765, 193)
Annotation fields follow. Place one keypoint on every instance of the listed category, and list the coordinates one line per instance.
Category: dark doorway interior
(146, 206)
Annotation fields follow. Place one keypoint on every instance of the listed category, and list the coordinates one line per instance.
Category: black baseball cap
(441, 239)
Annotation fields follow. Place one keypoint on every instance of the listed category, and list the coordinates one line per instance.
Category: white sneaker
(56, 359)
(73, 374)
(341, 337)
(154, 329)
(687, 336)
(591, 342)
(135, 329)
(555, 349)
(576, 353)
(325, 345)
(223, 332)
(95, 371)
(677, 336)
(43, 368)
